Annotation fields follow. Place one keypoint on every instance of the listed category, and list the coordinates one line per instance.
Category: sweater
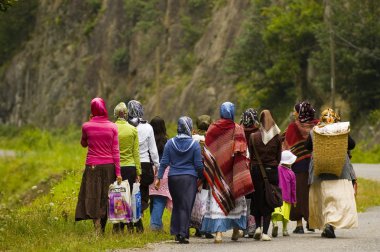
(101, 137)
(128, 145)
(183, 154)
(287, 183)
(270, 154)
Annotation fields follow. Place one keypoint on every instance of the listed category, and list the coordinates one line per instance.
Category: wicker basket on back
(329, 153)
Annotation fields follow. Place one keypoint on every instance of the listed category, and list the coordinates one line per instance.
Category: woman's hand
(355, 189)
(138, 178)
(119, 179)
(157, 184)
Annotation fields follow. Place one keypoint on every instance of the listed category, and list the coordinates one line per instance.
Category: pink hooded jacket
(101, 137)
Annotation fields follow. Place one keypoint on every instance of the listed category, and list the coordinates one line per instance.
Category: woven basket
(329, 153)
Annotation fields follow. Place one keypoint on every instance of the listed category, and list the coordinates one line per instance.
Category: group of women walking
(234, 162)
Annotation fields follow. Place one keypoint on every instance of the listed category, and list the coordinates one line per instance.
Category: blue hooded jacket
(183, 155)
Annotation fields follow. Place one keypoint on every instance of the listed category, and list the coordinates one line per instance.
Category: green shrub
(120, 58)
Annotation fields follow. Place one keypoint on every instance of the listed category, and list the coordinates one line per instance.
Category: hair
(159, 129)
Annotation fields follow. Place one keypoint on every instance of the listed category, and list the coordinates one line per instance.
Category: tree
(5, 4)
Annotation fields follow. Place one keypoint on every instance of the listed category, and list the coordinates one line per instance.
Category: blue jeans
(158, 205)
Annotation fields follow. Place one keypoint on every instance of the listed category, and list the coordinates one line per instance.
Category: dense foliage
(283, 55)
(15, 26)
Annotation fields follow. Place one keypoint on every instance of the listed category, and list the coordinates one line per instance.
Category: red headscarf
(98, 107)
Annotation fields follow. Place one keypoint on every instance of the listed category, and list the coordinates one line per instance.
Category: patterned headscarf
(203, 122)
(249, 118)
(98, 107)
(135, 109)
(329, 116)
(227, 110)
(120, 110)
(185, 125)
(305, 112)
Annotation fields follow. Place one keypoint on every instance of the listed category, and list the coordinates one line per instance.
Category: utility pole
(328, 17)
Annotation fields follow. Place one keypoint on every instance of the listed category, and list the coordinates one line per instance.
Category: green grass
(368, 194)
(47, 222)
(361, 154)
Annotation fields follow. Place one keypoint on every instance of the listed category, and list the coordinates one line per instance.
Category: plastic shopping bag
(119, 202)
(199, 208)
(136, 202)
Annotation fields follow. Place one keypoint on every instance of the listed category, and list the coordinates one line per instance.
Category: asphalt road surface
(364, 238)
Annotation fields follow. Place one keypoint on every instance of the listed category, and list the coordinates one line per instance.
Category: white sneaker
(265, 237)
(257, 234)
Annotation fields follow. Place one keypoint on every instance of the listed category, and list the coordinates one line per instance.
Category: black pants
(147, 178)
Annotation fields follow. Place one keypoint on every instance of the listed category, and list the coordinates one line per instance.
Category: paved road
(369, 171)
(365, 238)
(7, 153)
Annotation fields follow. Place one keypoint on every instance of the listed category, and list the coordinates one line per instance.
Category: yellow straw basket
(329, 153)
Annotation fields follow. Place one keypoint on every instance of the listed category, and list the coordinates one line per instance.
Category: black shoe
(182, 239)
(309, 229)
(209, 236)
(298, 230)
(329, 231)
(176, 238)
(198, 233)
(139, 227)
(130, 227)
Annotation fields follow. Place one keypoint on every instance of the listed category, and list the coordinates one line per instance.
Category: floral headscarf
(135, 109)
(120, 109)
(185, 126)
(329, 116)
(305, 111)
(227, 110)
(98, 107)
(249, 118)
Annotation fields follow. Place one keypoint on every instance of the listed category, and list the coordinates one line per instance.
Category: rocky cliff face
(169, 54)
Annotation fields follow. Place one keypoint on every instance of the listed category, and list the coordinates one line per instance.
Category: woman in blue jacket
(183, 154)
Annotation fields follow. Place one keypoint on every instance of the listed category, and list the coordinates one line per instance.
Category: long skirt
(302, 194)
(332, 202)
(93, 194)
(182, 188)
(215, 220)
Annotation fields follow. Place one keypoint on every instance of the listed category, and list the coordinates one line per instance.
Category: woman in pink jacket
(100, 136)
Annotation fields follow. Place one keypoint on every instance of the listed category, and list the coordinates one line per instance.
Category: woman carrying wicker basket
(331, 197)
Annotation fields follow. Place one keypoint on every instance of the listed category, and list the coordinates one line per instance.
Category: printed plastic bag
(136, 202)
(119, 202)
(199, 208)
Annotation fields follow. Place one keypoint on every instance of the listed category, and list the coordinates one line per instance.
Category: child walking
(287, 183)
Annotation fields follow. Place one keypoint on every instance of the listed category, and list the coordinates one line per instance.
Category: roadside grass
(361, 154)
(368, 194)
(41, 159)
(47, 224)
